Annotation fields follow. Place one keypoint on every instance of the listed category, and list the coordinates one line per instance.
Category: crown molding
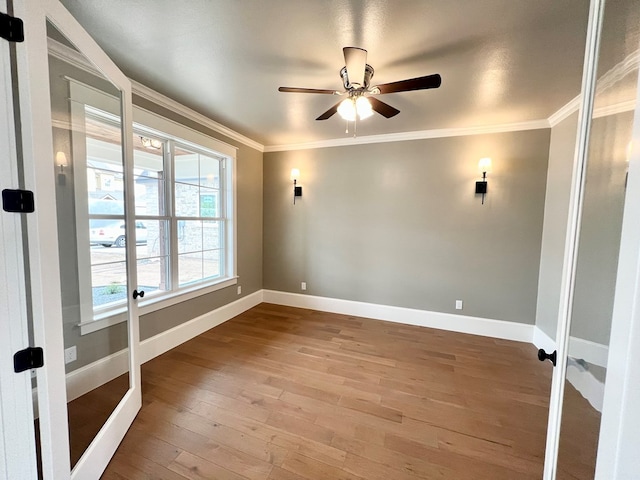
(565, 111)
(417, 135)
(621, 107)
(76, 59)
(630, 63)
(176, 107)
(614, 75)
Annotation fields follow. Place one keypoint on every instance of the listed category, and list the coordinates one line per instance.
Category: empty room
(301, 240)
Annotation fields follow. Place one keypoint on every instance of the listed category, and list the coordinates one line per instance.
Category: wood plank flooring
(281, 393)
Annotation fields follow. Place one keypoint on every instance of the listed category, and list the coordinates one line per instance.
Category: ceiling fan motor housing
(368, 75)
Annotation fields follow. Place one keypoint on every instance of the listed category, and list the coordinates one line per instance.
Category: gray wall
(601, 224)
(601, 228)
(556, 211)
(94, 346)
(399, 224)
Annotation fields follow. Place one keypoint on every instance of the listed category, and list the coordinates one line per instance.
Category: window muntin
(181, 217)
(199, 214)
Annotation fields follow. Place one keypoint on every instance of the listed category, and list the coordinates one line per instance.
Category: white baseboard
(444, 321)
(91, 376)
(592, 352)
(165, 341)
(542, 340)
(589, 386)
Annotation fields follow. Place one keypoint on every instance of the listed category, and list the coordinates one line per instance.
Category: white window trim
(153, 124)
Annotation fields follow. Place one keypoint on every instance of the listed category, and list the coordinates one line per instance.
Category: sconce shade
(484, 165)
(295, 174)
(61, 159)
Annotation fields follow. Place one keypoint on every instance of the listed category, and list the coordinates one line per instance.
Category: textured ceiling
(501, 61)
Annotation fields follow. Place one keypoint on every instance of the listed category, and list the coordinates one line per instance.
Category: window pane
(148, 175)
(211, 264)
(209, 172)
(187, 200)
(209, 202)
(186, 166)
(109, 283)
(152, 274)
(152, 237)
(189, 236)
(190, 268)
(210, 235)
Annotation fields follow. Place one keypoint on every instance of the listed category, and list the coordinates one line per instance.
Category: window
(184, 214)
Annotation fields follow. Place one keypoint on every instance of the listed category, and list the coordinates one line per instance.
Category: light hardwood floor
(283, 393)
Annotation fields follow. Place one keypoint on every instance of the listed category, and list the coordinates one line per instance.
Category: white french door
(63, 290)
(17, 446)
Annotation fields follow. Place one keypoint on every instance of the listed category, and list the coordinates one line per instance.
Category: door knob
(542, 356)
(137, 294)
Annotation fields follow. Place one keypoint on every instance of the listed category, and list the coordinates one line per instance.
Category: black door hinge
(17, 201)
(31, 357)
(11, 28)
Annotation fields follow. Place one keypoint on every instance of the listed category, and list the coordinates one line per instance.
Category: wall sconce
(61, 160)
(297, 190)
(484, 165)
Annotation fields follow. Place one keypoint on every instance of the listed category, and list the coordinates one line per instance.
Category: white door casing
(17, 436)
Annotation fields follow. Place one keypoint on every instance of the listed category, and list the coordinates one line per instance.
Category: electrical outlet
(70, 354)
(303, 286)
(458, 304)
(239, 289)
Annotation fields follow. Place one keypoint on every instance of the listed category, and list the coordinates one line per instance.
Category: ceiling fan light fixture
(347, 109)
(363, 107)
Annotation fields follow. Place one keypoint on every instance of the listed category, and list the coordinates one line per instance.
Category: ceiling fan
(356, 77)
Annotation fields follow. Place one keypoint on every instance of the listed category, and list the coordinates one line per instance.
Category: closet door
(593, 275)
(76, 116)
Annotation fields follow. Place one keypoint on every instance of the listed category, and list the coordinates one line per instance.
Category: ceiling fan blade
(307, 90)
(420, 83)
(355, 60)
(329, 113)
(382, 108)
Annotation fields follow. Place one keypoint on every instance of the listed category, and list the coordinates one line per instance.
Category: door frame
(620, 423)
(17, 433)
(44, 272)
(570, 259)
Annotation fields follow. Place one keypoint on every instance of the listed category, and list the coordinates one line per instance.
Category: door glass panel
(90, 205)
(599, 240)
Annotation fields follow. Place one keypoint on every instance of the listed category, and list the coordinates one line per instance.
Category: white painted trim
(589, 386)
(542, 340)
(417, 135)
(172, 105)
(620, 426)
(570, 256)
(62, 52)
(518, 332)
(592, 352)
(89, 377)
(614, 109)
(565, 111)
(165, 341)
(17, 448)
(606, 81)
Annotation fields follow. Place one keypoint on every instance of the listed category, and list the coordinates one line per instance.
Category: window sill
(152, 304)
